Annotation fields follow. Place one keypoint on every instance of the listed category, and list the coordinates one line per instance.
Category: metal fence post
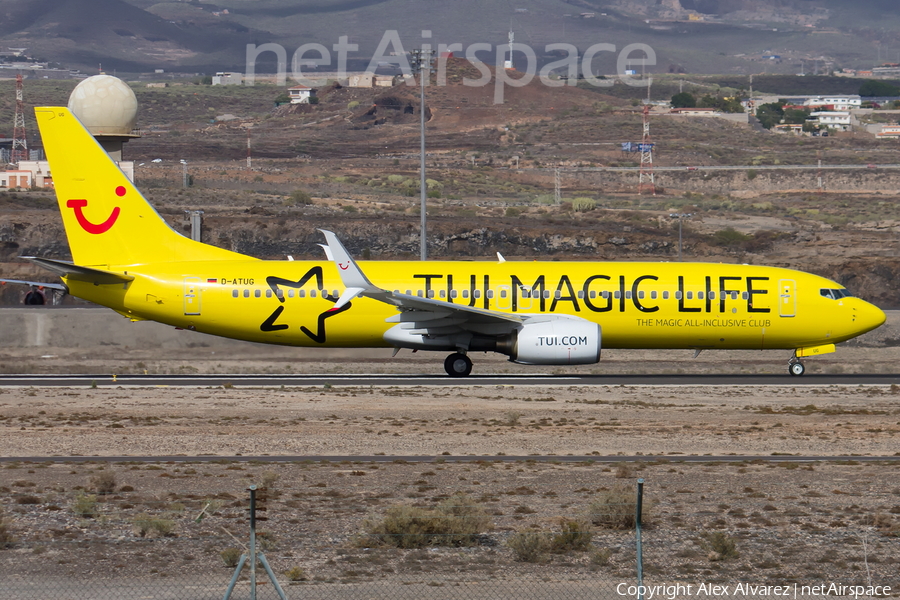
(637, 531)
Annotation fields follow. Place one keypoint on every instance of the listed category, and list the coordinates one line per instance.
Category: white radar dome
(105, 105)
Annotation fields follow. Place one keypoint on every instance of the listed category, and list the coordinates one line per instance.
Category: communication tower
(508, 64)
(646, 182)
(20, 142)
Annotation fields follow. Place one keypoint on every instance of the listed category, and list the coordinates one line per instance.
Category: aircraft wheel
(796, 368)
(458, 365)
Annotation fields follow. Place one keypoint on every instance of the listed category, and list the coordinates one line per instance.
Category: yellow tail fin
(107, 220)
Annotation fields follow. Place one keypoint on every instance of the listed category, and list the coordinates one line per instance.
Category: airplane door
(191, 296)
(787, 298)
(503, 299)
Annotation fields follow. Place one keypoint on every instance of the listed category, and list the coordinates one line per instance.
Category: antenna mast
(20, 142)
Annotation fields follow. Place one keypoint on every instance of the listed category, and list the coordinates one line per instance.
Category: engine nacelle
(556, 341)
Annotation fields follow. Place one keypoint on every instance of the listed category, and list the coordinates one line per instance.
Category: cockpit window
(835, 294)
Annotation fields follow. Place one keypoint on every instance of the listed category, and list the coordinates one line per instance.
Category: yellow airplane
(537, 313)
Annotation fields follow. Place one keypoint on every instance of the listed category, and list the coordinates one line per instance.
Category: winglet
(351, 276)
(500, 258)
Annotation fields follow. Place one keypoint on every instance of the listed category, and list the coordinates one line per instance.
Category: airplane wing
(418, 315)
(38, 284)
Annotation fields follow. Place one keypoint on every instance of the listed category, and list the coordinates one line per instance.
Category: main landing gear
(458, 365)
(795, 367)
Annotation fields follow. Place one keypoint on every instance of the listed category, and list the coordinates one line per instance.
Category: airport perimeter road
(442, 380)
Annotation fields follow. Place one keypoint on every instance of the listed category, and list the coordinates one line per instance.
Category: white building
(300, 94)
(834, 119)
(223, 78)
(837, 102)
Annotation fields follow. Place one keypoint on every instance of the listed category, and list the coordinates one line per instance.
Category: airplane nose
(868, 317)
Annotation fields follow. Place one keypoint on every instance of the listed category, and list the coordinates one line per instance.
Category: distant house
(693, 111)
(385, 80)
(889, 131)
(837, 119)
(361, 80)
(301, 94)
(834, 102)
(223, 78)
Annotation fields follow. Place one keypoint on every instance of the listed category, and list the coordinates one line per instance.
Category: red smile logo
(95, 228)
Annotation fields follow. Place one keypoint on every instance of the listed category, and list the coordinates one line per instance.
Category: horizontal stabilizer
(39, 284)
(77, 273)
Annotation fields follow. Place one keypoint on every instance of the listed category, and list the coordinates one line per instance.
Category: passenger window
(744, 295)
(557, 294)
(290, 293)
(690, 295)
(734, 295)
(312, 293)
(678, 295)
(234, 293)
(301, 294)
(617, 294)
(546, 294)
(246, 293)
(665, 295)
(490, 293)
(268, 293)
(409, 292)
(476, 294)
(419, 293)
(580, 294)
(257, 293)
(430, 294)
(604, 294)
(503, 293)
(699, 295)
(453, 293)
(628, 295)
(712, 295)
(653, 295)
(465, 294)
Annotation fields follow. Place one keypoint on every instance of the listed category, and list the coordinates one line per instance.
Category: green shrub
(528, 546)
(104, 482)
(231, 556)
(396, 179)
(300, 197)
(575, 536)
(457, 521)
(147, 524)
(353, 104)
(583, 204)
(85, 505)
(6, 537)
(512, 211)
(296, 574)
(720, 545)
(614, 509)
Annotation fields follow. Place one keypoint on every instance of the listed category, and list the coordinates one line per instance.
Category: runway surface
(589, 458)
(441, 380)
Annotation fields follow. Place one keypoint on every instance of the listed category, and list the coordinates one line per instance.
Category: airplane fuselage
(637, 305)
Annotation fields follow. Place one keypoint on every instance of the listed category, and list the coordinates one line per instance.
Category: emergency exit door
(192, 293)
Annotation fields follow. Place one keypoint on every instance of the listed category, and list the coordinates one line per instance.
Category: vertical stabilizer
(107, 220)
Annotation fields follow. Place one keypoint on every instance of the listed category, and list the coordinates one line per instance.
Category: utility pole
(680, 217)
(422, 61)
(557, 195)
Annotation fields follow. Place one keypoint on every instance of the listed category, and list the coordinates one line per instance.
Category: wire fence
(514, 531)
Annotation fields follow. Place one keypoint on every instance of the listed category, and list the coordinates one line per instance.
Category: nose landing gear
(458, 365)
(795, 367)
